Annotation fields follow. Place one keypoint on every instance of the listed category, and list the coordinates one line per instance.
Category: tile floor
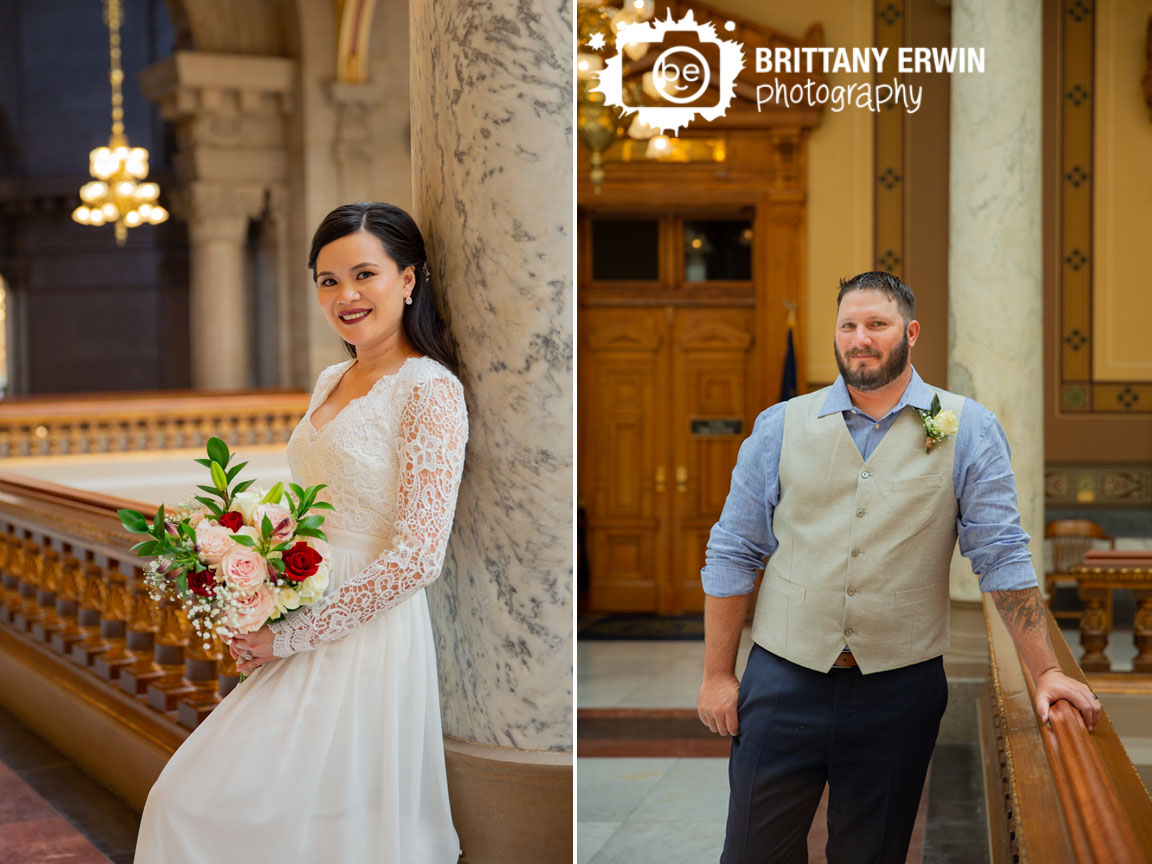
(55, 784)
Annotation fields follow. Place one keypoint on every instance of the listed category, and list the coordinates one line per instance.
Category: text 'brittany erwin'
(909, 60)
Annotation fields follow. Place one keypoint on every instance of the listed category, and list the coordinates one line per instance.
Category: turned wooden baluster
(91, 611)
(143, 623)
(51, 575)
(10, 579)
(68, 598)
(31, 570)
(172, 653)
(1142, 631)
(1094, 627)
(114, 621)
(169, 645)
(78, 440)
(202, 671)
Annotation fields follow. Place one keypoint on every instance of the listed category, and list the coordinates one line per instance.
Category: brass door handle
(660, 478)
(681, 478)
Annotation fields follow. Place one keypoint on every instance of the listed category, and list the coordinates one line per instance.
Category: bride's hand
(257, 645)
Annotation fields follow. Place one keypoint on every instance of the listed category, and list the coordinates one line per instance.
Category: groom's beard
(874, 379)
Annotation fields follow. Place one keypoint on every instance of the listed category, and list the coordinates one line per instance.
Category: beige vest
(864, 546)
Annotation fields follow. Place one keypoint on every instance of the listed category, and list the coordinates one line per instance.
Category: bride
(331, 750)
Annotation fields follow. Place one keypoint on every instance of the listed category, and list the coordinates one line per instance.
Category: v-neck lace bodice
(358, 451)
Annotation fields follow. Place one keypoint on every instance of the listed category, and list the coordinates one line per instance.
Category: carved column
(354, 144)
(230, 113)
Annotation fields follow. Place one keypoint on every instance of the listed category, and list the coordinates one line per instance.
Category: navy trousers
(869, 737)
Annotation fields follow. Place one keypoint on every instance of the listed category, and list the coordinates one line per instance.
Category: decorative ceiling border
(888, 128)
(1079, 393)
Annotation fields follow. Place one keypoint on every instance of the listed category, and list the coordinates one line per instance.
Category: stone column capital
(218, 211)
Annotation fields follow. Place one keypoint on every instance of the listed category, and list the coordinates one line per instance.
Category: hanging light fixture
(116, 196)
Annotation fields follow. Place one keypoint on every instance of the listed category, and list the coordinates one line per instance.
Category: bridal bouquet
(239, 556)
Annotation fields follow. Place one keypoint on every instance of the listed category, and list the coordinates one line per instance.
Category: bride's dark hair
(421, 322)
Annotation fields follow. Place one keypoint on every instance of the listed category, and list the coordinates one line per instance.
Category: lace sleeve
(433, 431)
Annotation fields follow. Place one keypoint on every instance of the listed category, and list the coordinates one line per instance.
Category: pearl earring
(407, 299)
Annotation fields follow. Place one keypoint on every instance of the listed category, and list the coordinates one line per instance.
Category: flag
(788, 379)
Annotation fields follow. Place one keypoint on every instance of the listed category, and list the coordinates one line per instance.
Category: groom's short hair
(889, 285)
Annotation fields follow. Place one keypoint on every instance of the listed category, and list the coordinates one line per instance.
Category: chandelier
(116, 196)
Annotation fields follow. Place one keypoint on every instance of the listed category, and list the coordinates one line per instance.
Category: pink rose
(281, 530)
(214, 542)
(197, 516)
(244, 569)
(252, 610)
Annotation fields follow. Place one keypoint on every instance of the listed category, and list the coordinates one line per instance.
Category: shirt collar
(917, 394)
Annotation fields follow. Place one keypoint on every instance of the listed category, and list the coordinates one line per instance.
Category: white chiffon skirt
(333, 755)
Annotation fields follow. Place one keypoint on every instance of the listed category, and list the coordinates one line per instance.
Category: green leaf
(211, 490)
(234, 470)
(207, 463)
(311, 522)
(151, 547)
(277, 564)
(321, 505)
(310, 532)
(242, 487)
(212, 506)
(266, 527)
(218, 477)
(934, 409)
(218, 451)
(133, 521)
(187, 532)
(274, 494)
(182, 582)
(243, 540)
(279, 547)
(297, 491)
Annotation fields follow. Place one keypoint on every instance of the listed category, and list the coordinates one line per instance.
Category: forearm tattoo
(1024, 614)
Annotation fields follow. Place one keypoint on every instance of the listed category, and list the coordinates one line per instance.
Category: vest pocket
(913, 595)
(788, 589)
(921, 483)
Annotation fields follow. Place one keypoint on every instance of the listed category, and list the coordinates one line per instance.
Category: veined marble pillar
(492, 185)
(995, 352)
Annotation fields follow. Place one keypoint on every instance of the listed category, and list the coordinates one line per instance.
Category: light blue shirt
(988, 522)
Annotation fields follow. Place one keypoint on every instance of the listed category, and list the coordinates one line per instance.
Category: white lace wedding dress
(334, 754)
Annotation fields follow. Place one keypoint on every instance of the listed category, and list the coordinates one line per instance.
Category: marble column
(995, 352)
(492, 188)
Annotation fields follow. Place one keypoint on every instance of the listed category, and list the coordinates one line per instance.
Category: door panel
(624, 362)
(711, 359)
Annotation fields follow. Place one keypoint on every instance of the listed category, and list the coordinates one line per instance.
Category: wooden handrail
(1072, 795)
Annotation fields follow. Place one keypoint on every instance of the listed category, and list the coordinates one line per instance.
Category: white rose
(287, 599)
(247, 501)
(312, 588)
(946, 423)
(248, 531)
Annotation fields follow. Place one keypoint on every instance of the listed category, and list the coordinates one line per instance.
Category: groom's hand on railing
(1054, 685)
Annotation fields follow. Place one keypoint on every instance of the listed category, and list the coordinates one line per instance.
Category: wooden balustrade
(1056, 794)
(121, 422)
(75, 594)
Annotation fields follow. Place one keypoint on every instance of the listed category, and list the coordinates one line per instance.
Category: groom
(845, 682)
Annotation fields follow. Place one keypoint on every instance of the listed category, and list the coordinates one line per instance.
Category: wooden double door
(665, 400)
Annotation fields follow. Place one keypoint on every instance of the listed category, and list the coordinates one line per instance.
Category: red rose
(202, 583)
(232, 520)
(301, 561)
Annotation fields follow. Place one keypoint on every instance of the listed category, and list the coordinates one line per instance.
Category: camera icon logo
(683, 69)
(694, 73)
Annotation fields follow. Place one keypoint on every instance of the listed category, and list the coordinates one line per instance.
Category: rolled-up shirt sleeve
(742, 540)
(988, 524)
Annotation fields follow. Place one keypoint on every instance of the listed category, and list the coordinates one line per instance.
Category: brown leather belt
(845, 659)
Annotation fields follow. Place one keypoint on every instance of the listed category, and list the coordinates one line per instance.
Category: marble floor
(51, 811)
(673, 809)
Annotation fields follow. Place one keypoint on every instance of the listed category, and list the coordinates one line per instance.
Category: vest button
(865, 474)
(847, 631)
(851, 590)
(855, 553)
(859, 512)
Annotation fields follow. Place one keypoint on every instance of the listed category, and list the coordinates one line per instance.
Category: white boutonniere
(938, 424)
